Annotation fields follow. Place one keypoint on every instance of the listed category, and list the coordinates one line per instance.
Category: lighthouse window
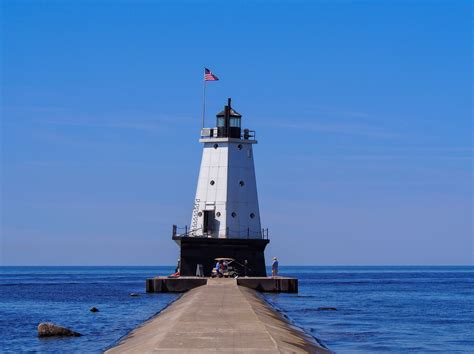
(233, 214)
(234, 122)
(252, 215)
(241, 183)
(218, 214)
(239, 146)
(216, 146)
(220, 122)
(200, 214)
(212, 183)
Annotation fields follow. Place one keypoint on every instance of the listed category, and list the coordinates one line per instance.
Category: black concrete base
(203, 250)
(270, 285)
(173, 285)
(183, 284)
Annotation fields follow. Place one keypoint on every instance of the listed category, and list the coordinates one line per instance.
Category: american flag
(209, 76)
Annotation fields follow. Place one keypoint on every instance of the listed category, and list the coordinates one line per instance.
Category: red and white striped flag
(209, 76)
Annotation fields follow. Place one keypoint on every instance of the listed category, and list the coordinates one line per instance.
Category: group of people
(221, 267)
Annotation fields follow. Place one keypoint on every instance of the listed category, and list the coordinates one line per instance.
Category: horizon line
(269, 265)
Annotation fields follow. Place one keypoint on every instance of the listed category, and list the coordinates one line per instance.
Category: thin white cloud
(156, 124)
(457, 153)
(341, 128)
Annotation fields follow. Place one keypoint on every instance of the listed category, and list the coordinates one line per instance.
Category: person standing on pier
(274, 267)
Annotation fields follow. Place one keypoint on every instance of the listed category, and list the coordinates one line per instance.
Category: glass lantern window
(220, 121)
(234, 122)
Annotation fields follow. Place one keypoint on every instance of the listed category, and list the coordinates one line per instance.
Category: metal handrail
(252, 135)
(245, 133)
(186, 231)
(263, 233)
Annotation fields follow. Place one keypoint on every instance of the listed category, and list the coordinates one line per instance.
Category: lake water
(384, 309)
(379, 309)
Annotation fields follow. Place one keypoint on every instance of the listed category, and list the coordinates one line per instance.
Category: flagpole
(204, 103)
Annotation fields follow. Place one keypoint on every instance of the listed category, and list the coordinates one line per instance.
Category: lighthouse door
(208, 222)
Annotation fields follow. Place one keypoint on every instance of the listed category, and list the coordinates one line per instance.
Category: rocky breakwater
(48, 329)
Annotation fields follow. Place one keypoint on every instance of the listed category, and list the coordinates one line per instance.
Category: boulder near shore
(48, 329)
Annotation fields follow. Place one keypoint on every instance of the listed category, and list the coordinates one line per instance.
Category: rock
(48, 329)
(327, 309)
(134, 294)
(94, 309)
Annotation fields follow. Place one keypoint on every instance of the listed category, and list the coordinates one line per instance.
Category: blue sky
(363, 112)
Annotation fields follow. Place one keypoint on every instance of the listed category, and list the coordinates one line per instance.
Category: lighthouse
(225, 220)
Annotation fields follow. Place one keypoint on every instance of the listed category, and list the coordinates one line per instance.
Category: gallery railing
(246, 233)
(246, 134)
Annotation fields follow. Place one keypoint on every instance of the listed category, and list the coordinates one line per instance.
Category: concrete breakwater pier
(218, 317)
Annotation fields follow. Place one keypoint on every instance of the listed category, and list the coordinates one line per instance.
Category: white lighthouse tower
(226, 203)
(226, 217)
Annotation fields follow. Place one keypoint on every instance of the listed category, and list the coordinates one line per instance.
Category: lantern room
(228, 122)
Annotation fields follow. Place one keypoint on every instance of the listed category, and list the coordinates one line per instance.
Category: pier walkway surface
(219, 317)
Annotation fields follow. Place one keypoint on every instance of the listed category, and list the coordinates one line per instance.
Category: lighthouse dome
(232, 113)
